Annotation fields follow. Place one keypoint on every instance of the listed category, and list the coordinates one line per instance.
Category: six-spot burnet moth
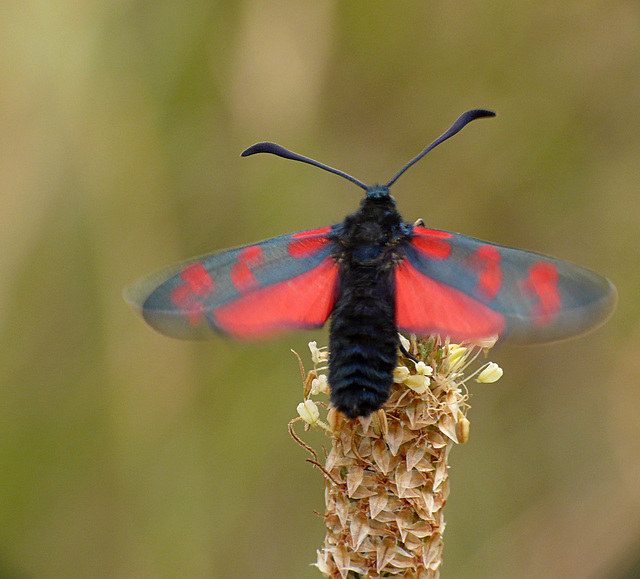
(374, 275)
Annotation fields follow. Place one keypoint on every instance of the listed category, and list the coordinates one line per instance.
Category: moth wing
(470, 289)
(248, 292)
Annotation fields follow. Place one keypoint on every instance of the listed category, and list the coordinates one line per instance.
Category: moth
(374, 275)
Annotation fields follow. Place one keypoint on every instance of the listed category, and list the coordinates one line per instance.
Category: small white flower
(418, 383)
(308, 411)
(317, 355)
(422, 368)
(456, 354)
(491, 373)
(400, 374)
(406, 344)
(320, 385)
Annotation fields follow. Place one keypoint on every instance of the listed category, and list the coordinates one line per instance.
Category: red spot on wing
(431, 242)
(197, 284)
(252, 255)
(486, 261)
(307, 243)
(198, 279)
(241, 275)
(304, 301)
(180, 294)
(424, 305)
(312, 232)
(542, 285)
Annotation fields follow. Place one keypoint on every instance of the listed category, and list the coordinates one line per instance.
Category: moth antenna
(275, 149)
(463, 119)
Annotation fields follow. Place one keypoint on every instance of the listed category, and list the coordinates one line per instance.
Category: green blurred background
(124, 454)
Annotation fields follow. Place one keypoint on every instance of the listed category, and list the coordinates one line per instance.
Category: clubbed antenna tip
(280, 151)
(463, 120)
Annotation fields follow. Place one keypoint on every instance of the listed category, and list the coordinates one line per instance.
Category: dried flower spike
(386, 475)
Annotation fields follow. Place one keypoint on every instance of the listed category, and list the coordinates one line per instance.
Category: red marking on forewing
(252, 255)
(197, 284)
(424, 305)
(542, 284)
(180, 293)
(306, 243)
(312, 232)
(301, 302)
(197, 279)
(431, 242)
(486, 261)
(242, 277)
(241, 273)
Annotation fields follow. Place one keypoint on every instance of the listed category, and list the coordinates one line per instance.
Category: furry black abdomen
(363, 341)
